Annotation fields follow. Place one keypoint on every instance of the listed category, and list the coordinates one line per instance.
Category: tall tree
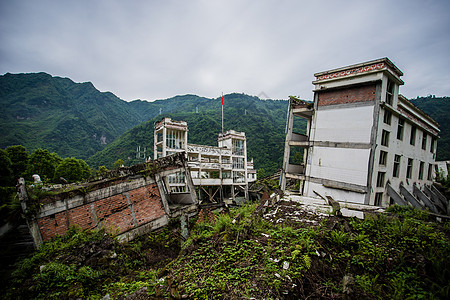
(43, 163)
(19, 159)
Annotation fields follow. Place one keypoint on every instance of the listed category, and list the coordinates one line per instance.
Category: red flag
(222, 99)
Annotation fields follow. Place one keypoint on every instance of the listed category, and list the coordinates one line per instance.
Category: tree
(6, 173)
(85, 170)
(102, 170)
(118, 163)
(72, 170)
(43, 163)
(19, 160)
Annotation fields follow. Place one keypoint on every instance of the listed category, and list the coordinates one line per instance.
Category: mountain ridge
(76, 119)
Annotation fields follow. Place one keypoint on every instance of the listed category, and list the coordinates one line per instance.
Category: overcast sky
(158, 49)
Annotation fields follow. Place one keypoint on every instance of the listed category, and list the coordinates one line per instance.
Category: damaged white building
(220, 173)
(365, 143)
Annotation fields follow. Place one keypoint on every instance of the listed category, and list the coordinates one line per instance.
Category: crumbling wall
(126, 202)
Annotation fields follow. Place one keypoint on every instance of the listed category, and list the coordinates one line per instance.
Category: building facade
(364, 142)
(219, 173)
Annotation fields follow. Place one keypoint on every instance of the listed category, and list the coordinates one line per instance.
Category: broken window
(424, 140)
(378, 199)
(401, 125)
(380, 179)
(383, 158)
(412, 138)
(385, 138)
(433, 144)
(390, 92)
(238, 147)
(430, 172)
(421, 167)
(387, 117)
(396, 169)
(409, 168)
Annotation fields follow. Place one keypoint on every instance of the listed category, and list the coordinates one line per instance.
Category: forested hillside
(262, 121)
(76, 120)
(439, 109)
(71, 119)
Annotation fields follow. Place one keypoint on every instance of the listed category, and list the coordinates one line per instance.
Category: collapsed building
(219, 173)
(365, 143)
(127, 202)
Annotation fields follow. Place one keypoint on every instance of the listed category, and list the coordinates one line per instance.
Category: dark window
(380, 179)
(385, 138)
(412, 138)
(383, 158)
(430, 172)
(421, 167)
(424, 141)
(378, 199)
(433, 144)
(409, 168)
(390, 92)
(387, 117)
(396, 169)
(401, 125)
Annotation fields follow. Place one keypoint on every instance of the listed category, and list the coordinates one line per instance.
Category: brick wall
(348, 95)
(118, 213)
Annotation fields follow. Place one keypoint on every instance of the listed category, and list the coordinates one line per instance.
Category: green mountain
(263, 122)
(71, 119)
(75, 119)
(439, 109)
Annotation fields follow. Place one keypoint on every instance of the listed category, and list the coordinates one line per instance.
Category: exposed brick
(349, 95)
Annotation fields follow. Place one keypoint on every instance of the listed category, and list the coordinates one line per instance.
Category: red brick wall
(349, 95)
(112, 213)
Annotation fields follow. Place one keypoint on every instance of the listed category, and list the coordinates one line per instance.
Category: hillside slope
(71, 119)
(439, 109)
(263, 122)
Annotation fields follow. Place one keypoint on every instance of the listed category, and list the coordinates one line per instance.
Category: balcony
(298, 139)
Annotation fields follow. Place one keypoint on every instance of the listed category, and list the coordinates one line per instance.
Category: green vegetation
(438, 108)
(76, 120)
(262, 121)
(15, 162)
(397, 255)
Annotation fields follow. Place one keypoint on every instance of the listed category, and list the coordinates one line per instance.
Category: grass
(398, 255)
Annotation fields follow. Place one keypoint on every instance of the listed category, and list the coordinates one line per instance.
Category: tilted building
(218, 172)
(365, 143)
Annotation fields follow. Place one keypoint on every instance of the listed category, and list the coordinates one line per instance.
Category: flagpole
(222, 113)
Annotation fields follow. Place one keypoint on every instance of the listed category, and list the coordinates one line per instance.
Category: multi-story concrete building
(365, 143)
(218, 173)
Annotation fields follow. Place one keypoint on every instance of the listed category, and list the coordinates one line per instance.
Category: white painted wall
(348, 125)
(338, 195)
(340, 164)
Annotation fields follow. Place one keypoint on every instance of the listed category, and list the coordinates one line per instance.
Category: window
(424, 141)
(430, 172)
(433, 144)
(396, 169)
(380, 179)
(238, 147)
(401, 125)
(238, 163)
(390, 92)
(378, 199)
(409, 168)
(412, 138)
(383, 158)
(387, 117)
(385, 138)
(421, 167)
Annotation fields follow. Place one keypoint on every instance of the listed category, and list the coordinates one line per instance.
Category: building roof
(359, 69)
